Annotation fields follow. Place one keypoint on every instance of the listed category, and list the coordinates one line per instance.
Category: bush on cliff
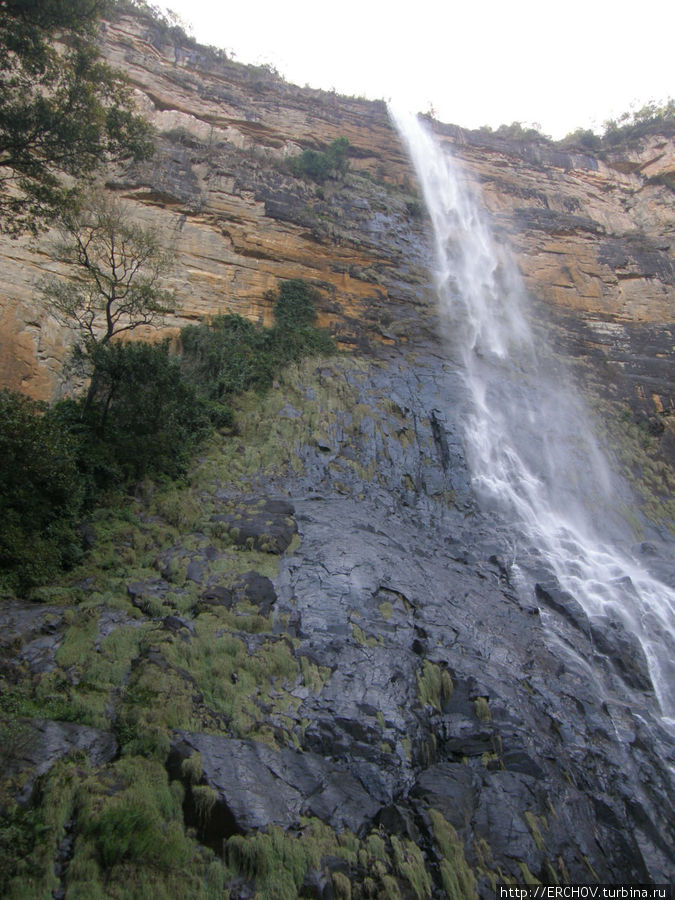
(144, 418)
(650, 119)
(40, 494)
(319, 166)
(146, 413)
(230, 354)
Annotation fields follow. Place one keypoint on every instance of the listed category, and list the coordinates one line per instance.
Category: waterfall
(529, 439)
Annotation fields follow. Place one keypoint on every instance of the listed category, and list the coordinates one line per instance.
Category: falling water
(530, 442)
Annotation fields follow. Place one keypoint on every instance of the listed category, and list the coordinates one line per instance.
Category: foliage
(143, 418)
(62, 110)
(319, 166)
(517, 131)
(144, 414)
(40, 494)
(119, 269)
(230, 354)
(295, 307)
(434, 685)
(583, 138)
(649, 119)
(458, 878)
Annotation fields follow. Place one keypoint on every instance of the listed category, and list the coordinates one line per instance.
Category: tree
(144, 417)
(63, 111)
(118, 272)
(40, 494)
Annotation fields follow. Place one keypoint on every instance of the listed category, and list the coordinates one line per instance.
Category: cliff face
(323, 631)
(593, 238)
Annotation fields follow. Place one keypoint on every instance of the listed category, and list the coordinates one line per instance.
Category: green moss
(458, 878)
(563, 870)
(482, 709)
(375, 847)
(551, 874)
(342, 886)
(410, 865)
(390, 889)
(205, 798)
(313, 676)
(78, 643)
(434, 685)
(590, 868)
(533, 823)
(277, 862)
(178, 507)
(637, 456)
(268, 442)
(128, 822)
(526, 875)
(225, 680)
(191, 768)
(29, 837)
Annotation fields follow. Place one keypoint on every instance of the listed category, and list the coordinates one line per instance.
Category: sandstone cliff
(593, 237)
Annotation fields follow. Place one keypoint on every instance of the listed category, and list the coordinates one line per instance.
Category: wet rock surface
(395, 666)
(258, 786)
(266, 525)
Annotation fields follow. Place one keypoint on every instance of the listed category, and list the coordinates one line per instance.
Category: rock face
(393, 676)
(329, 628)
(592, 237)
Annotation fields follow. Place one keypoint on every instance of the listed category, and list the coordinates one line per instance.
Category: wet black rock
(624, 649)
(144, 593)
(258, 786)
(257, 590)
(564, 603)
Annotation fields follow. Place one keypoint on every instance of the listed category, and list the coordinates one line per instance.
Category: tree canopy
(118, 270)
(63, 111)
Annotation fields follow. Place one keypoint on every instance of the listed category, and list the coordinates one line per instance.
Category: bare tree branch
(118, 270)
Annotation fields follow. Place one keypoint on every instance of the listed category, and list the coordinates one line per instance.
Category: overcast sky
(478, 62)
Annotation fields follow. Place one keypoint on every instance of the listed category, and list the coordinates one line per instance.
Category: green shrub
(650, 119)
(40, 494)
(295, 306)
(227, 356)
(144, 419)
(583, 138)
(230, 355)
(320, 166)
(124, 832)
(517, 131)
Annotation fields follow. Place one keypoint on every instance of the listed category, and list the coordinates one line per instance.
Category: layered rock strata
(592, 236)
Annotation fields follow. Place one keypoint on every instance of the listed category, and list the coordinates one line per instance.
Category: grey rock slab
(47, 741)
(261, 786)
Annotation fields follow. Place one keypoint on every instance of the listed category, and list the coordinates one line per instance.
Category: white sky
(561, 65)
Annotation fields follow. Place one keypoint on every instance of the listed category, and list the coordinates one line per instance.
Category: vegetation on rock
(229, 354)
(63, 110)
(40, 494)
(144, 413)
(320, 166)
(649, 119)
